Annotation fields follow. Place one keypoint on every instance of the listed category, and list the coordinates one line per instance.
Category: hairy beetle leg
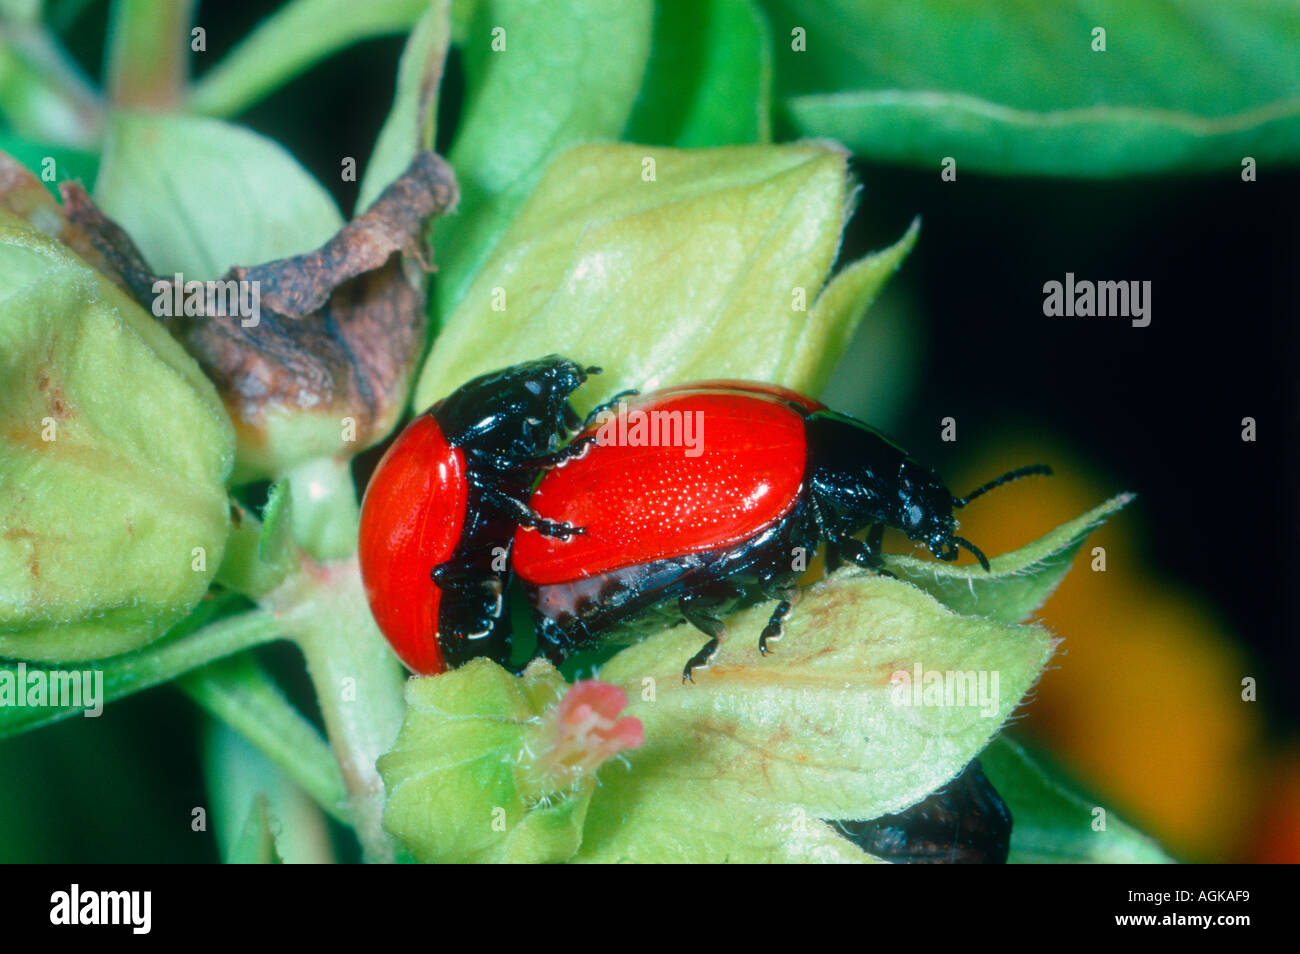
(862, 553)
(695, 608)
(608, 406)
(775, 628)
(530, 519)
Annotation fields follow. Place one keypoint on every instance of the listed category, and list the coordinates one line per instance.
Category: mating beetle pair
(614, 529)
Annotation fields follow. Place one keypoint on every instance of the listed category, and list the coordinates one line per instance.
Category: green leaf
(412, 122)
(712, 269)
(259, 555)
(835, 316)
(258, 815)
(275, 544)
(709, 81)
(828, 726)
(44, 95)
(299, 34)
(239, 692)
(569, 73)
(642, 818)
(455, 791)
(1053, 823)
(142, 669)
(1017, 583)
(1016, 88)
(198, 196)
(114, 453)
(255, 844)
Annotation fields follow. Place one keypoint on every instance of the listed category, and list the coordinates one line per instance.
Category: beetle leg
(475, 587)
(468, 619)
(551, 638)
(530, 519)
(775, 628)
(574, 450)
(693, 608)
(545, 461)
(875, 537)
(572, 421)
(862, 554)
(609, 405)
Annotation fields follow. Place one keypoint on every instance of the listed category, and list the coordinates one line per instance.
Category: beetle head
(923, 509)
(936, 524)
(523, 409)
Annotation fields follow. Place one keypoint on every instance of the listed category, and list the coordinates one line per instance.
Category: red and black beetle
(443, 505)
(776, 475)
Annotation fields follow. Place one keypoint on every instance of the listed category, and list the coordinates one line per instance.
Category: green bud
(114, 452)
(493, 768)
(664, 266)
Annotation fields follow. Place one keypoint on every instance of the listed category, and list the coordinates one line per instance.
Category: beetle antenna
(1004, 479)
(976, 551)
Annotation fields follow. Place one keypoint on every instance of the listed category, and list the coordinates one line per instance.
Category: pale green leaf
(1016, 583)
(198, 196)
(838, 311)
(708, 269)
(829, 725)
(637, 817)
(454, 792)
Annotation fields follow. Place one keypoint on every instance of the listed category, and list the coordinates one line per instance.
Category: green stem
(325, 512)
(298, 34)
(43, 94)
(240, 693)
(250, 799)
(358, 686)
(148, 57)
(153, 665)
(358, 680)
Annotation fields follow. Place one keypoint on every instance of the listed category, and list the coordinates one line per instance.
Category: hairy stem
(358, 685)
(325, 509)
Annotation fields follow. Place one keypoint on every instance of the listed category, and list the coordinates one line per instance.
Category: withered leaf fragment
(23, 194)
(324, 368)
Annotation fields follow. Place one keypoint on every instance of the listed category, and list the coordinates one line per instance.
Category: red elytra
(641, 503)
(411, 520)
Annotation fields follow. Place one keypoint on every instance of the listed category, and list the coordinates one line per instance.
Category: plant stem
(324, 508)
(148, 57)
(358, 680)
(154, 665)
(358, 686)
(240, 693)
(44, 95)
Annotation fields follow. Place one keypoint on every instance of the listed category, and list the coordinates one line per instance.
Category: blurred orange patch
(1144, 702)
